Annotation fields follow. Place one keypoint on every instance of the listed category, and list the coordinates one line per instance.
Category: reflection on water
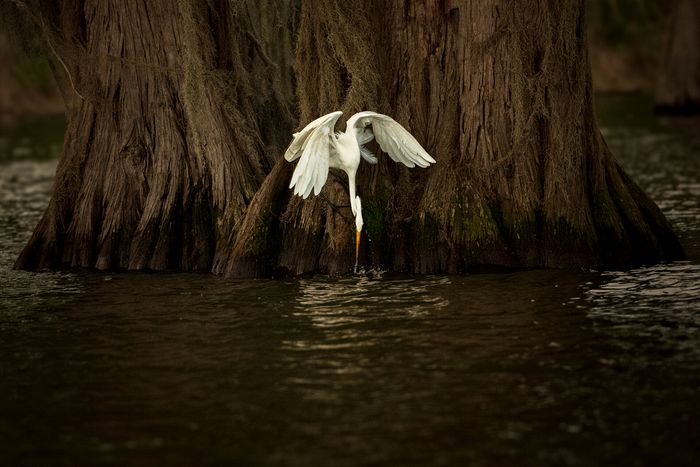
(24, 188)
(523, 368)
(346, 299)
(660, 304)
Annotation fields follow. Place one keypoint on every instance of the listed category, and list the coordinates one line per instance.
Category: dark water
(527, 368)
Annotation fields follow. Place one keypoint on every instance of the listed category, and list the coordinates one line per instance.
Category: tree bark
(176, 111)
(499, 92)
(678, 90)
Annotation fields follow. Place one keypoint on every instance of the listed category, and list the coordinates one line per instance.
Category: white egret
(318, 148)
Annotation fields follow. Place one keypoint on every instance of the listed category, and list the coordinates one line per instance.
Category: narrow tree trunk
(678, 90)
(177, 111)
(499, 92)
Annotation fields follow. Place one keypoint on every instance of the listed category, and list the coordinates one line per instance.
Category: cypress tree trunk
(176, 110)
(678, 90)
(499, 92)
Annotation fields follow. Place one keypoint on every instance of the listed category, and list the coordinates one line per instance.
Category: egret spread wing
(312, 147)
(394, 139)
(296, 147)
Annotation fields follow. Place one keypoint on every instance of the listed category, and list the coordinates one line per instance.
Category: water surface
(524, 368)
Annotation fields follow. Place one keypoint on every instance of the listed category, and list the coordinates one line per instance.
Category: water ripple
(519, 368)
(657, 306)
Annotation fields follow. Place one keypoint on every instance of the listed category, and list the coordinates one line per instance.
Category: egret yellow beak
(357, 246)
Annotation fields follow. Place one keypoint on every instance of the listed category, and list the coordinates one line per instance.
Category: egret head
(358, 214)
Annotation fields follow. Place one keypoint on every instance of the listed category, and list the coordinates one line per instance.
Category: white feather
(394, 139)
(318, 148)
(312, 146)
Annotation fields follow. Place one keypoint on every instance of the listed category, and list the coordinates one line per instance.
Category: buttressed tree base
(184, 170)
(175, 113)
(500, 94)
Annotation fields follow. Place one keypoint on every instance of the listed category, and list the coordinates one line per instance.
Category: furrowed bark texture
(163, 152)
(499, 92)
(678, 90)
(286, 234)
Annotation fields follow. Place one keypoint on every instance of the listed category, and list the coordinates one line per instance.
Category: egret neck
(359, 222)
